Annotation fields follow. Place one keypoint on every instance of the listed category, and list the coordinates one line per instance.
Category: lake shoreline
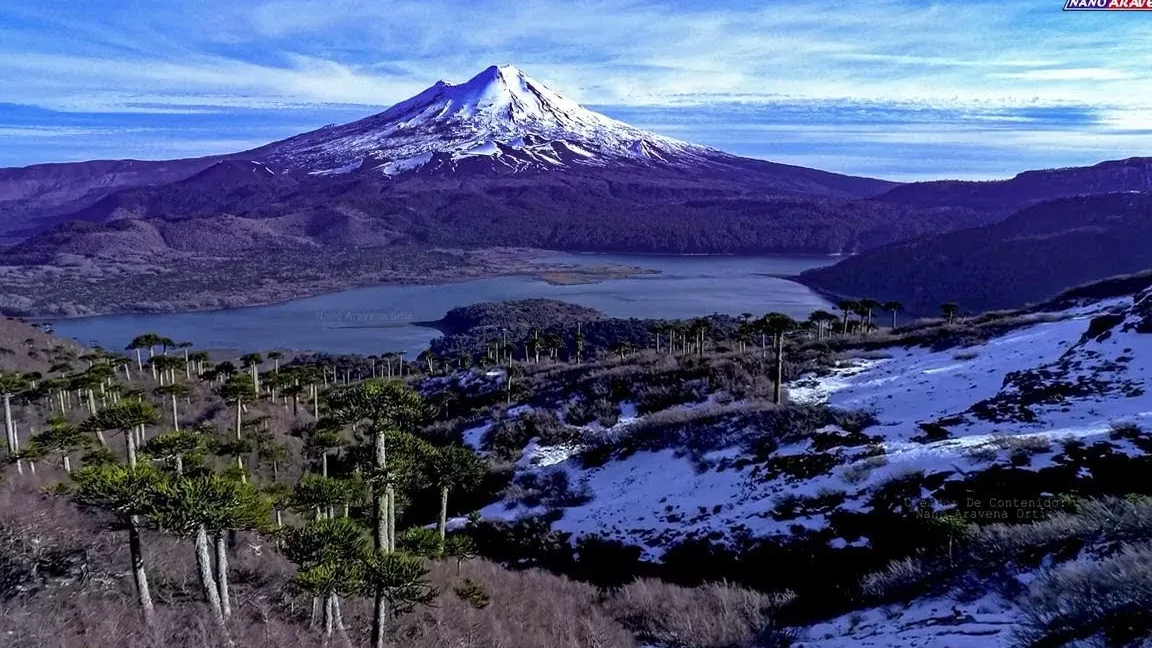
(396, 315)
(551, 274)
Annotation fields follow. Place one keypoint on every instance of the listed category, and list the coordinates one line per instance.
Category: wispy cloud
(332, 58)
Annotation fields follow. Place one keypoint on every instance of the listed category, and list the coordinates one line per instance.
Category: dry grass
(92, 605)
(710, 616)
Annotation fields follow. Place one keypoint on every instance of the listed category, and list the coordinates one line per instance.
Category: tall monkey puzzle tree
(129, 416)
(778, 325)
(453, 467)
(61, 438)
(328, 554)
(204, 507)
(10, 385)
(385, 406)
(127, 492)
(237, 391)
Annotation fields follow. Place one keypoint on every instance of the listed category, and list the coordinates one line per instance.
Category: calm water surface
(379, 318)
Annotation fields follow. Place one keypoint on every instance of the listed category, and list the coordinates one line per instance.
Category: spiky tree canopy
(777, 323)
(12, 383)
(455, 467)
(317, 491)
(217, 503)
(384, 404)
(238, 388)
(169, 445)
(125, 415)
(145, 341)
(122, 490)
(400, 578)
(60, 437)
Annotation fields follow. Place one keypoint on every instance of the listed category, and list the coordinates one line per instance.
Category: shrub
(419, 541)
(861, 470)
(472, 593)
(507, 439)
(711, 616)
(550, 488)
(655, 398)
(1108, 602)
(584, 411)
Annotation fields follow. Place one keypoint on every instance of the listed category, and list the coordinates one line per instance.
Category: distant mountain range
(503, 161)
(498, 160)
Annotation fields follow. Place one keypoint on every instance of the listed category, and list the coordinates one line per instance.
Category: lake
(379, 318)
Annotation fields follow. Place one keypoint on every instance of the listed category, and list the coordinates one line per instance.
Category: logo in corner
(1108, 5)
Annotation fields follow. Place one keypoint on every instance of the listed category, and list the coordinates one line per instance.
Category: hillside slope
(1029, 257)
(1027, 188)
(918, 426)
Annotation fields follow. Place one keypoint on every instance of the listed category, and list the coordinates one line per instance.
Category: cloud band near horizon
(895, 88)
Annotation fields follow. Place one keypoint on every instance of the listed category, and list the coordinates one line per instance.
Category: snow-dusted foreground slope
(1016, 399)
(656, 497)
(933, 623)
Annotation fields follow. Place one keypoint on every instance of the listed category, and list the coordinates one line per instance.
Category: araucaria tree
(128, 492)
(204, 508)
(130, 416)
(385, 408)
(950, 310)
(237, 391)
(10, 385)
(453, 468)
(893, 307)
(778, 325)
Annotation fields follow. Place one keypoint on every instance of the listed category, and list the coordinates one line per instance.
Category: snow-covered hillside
(500, 119)
(1019, 400)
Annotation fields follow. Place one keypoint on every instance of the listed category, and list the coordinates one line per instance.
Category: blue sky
(894, 88)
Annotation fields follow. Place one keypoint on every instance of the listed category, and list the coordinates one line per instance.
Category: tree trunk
(239, 421)
(329, 621)
(175, 415)
(380, 533)
(222, 575)
(379, 618)
(391, 518)
(340, 627)
(9, 427)
(204, 564)
(67, 464)
(139, 576)
(779, 368)
(130, 444)
(139, 361)
(442, 525)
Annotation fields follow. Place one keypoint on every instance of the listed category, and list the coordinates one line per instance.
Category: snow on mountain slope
(655, 498)
(512, 120)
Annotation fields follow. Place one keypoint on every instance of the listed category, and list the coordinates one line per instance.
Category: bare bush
(711, 616)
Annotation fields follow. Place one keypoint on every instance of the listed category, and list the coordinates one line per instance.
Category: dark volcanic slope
(1031, 256)
(1030, 187)
(569, 211)
(36, 196)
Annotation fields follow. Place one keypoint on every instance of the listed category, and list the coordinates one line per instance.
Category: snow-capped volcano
(500, 120)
